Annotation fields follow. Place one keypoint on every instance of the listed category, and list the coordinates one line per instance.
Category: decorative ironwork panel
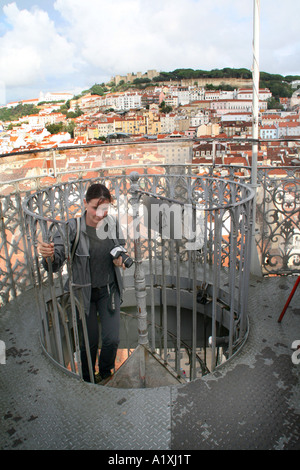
(278, 220)
(277, 216)
(15, 275)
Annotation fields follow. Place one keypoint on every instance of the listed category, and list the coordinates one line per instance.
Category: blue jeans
(106, 304)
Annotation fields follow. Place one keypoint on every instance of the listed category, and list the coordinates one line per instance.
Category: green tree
(166, 109)
(55, 128)
(274, 103)
(15, 113)
(62, 127)
(138, 81)
(97, 90)
(74, 114)
(70, 127)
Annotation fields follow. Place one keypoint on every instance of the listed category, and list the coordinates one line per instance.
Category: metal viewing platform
(209, 366)
(250, 402)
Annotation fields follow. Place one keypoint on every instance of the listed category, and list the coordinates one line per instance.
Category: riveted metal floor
(250, 402)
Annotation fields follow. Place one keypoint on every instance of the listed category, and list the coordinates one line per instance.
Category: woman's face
(95, 212)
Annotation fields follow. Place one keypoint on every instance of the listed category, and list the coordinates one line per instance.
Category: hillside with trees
(279, 85)
(15, 113)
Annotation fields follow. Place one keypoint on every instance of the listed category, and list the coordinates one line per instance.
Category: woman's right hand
(47, 250)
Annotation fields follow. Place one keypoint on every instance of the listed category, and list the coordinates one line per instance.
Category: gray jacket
(81, 261)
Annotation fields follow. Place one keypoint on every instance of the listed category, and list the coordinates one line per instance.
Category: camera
(120, 251)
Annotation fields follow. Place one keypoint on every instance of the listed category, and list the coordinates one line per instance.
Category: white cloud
(280, 40)
(32, 49)
(128, 35)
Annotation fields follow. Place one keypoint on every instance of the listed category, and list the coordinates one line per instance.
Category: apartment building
(183, 95)
(207, 150)
(288, 129)
(153, 123)
(149, 98)
(212, 95)
(116, 124)
(106, 126)
(280, 129)
(125, 101)
(210, 130)
(121, 101)
(134, 125)
(236, 116)
(247, 94)
(85, 103)
(241, 105)
(172, 101)
(168, 123)
(199, 118)
(58, 96)
(40, 120)
(237, 128)
(268, 132)
(196, 93)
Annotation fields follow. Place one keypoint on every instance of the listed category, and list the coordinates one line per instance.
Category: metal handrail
(140, 285)
(28, 276)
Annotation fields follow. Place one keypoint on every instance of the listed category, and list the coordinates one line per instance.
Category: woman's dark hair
(98, 191)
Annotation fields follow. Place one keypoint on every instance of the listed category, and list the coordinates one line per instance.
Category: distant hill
(226, 78)
(279, 85)
(182, 74)
(229, 78)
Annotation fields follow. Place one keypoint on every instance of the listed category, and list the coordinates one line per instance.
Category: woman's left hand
(119, 262)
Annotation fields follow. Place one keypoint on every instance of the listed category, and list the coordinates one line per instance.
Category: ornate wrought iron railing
(277, 237)
(193, 255)
(198, 242)
(277, 215)
(277, 219)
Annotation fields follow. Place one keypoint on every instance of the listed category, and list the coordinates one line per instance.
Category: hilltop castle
(130, 77)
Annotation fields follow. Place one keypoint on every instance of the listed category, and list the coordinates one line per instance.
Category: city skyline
(68, 45)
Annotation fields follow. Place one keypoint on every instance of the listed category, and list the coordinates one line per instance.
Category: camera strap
(75, 243)
(113, 221)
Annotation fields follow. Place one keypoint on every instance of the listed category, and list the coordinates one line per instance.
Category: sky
(69, 45)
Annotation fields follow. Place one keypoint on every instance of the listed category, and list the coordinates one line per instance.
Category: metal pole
(139, 276)
(255, 265)
(255, 75)
(140, 282)
(54, 164)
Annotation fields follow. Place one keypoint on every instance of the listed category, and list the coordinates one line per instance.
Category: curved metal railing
(277, 235)
(191, 246)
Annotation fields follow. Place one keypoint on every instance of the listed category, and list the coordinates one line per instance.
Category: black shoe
(100, 380)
